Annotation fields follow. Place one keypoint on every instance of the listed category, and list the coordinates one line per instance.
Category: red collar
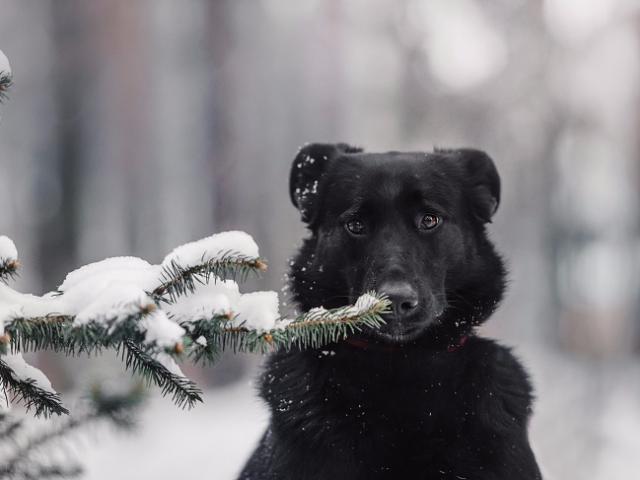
(454, 347)
(365, 345)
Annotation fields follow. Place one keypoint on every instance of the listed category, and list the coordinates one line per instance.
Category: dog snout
(403, 296)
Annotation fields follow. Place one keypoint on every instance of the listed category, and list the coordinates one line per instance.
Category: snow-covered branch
(188, 306)
(8, 258)
(5, 75)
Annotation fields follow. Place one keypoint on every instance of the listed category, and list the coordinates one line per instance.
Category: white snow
(213, 248)
(258, 310)
(94, 277)
(115, 287)
(27, 305)
(8, 250)
(7, 313)
(5, 67)
(201, 341)
(169, 363)
(365, 302)
(114, 304)
(218, 297)
(23, 371)
(161, 330)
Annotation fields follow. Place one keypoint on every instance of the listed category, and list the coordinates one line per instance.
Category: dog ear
(483, 181)
(309, 166)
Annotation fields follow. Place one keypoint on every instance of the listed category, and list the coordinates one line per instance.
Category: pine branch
(27, 392)
(310, 330)
(6, 81)
(40, 333)
(58, 333)
(106, 333)
(184, 392)
(8, 267)
(177, 280)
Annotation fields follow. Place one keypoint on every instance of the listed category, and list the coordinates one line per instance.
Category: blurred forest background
(135, 126)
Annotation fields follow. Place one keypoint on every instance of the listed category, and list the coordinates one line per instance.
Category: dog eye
(430, 221)
(355, 227)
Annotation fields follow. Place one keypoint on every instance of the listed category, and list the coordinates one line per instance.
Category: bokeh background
(135, 126)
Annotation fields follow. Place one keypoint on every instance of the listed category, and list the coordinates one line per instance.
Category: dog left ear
(309, 166)
(484, 182)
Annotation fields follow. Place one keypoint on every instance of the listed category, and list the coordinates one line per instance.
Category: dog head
(408, 225)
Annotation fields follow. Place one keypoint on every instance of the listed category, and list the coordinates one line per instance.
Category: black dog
(423, 397)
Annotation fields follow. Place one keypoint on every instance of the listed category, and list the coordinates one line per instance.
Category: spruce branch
(6, 80)
(8, 268)
(177, 280)
(123, 335)
(40, 333)
(127, 318)
(183, 391)
(310, 330)
(44, 402)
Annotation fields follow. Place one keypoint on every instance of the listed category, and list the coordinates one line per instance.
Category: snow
(218, 297)
(169, 363)
(84, 283)
(27, 305)
(5, 67)
(364, 303)
(161, 330)
(213, 248)
(201, 341)
(258, 310)
(22, 371)
(114, 288)
(8, 250)
(7, 313)
(114, 304)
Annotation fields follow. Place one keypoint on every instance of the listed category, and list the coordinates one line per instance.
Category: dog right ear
(309, 167)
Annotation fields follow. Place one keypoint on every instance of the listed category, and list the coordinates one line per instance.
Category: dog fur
(424, 397)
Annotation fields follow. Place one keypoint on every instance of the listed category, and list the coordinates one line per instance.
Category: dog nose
(403, 297)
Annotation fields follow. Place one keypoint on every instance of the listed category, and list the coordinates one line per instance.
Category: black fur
(404, 402)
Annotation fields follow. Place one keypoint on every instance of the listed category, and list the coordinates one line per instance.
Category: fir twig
(8, 269)
(26, 391)
(310, 330)
(6, 81)
(184, 392)
(178, 280)
(40, 333)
